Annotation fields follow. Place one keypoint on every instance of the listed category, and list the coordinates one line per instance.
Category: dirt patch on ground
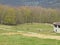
(31, 34)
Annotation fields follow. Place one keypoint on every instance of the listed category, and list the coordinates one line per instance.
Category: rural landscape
(29, 22)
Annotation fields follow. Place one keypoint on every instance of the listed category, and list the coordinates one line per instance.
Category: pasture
(23, 40)
(18, 39)
(28, 27)
(43, 28)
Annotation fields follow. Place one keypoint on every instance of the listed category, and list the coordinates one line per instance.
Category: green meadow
(24, 40)
(28, 27)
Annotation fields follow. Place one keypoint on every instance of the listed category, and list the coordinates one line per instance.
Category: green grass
(23, 40)
(6, 28)
(35, 27)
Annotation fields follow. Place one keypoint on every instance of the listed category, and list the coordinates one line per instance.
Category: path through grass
(43, 28)
(18, 39)
(23, 40)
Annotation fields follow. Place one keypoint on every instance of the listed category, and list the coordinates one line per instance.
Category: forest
(28, 14)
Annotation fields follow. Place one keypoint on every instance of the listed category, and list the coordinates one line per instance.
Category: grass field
(23, 40)
(28, 27)
(35, 27)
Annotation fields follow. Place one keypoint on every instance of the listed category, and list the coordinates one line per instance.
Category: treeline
(25, 14)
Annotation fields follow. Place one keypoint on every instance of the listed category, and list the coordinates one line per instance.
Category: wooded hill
(28, 14)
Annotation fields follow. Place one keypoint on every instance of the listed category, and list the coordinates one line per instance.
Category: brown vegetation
(25, 14)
